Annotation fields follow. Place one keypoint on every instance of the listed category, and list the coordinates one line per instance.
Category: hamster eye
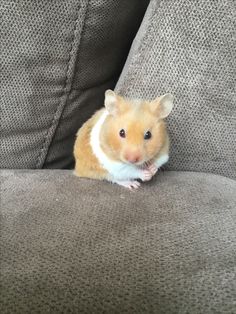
(147, 135)
(122, 133)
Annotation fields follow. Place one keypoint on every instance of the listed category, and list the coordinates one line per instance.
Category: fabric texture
(188, 48)
(58, 58)
(70, 245)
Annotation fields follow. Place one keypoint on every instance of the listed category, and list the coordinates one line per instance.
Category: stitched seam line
(139, 49)
(62, 103)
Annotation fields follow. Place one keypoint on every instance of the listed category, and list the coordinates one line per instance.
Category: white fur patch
(161, 160)
(117, 170)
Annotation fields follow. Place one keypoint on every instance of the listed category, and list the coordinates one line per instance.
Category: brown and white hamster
(125, 141)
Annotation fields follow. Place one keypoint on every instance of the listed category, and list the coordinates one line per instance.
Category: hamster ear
(110, 101)
(162, 105)
(113, 102)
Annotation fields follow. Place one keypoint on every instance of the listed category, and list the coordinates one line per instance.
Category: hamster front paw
(149, 169)
(152, 168)
(146, 175)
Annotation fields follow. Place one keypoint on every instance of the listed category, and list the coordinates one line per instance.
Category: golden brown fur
(136, 117)
(86, 164)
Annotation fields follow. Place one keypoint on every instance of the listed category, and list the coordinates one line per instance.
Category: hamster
(125, 141)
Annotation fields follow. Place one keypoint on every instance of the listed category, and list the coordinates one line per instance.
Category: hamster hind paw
(131, 185)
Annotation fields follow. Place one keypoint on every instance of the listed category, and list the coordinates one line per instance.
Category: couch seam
(62, 102)
(141, 46)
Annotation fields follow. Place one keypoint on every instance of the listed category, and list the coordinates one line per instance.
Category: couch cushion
(58, 57)
(187, 47)
(71, 245)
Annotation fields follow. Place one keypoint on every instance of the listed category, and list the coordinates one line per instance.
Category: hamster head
(134, 131)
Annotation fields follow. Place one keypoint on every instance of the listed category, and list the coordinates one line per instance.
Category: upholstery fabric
(70, 245)
(58, 57)
(188, 48)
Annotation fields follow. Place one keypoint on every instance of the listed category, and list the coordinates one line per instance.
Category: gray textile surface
(188, 48)
(58, 57)
(70, 245)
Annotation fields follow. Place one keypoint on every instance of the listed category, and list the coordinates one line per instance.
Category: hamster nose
(133, 157)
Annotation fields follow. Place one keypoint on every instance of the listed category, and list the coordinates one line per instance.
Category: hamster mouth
(144, 164)
(139, 164)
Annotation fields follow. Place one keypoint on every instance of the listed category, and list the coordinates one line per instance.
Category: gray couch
(71, 245)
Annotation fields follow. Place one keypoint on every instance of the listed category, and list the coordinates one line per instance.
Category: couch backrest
(188, 48)
(58, 58)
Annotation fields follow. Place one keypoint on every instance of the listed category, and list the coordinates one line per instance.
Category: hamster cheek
(112, 146)
(152, 148)
(114, 142)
